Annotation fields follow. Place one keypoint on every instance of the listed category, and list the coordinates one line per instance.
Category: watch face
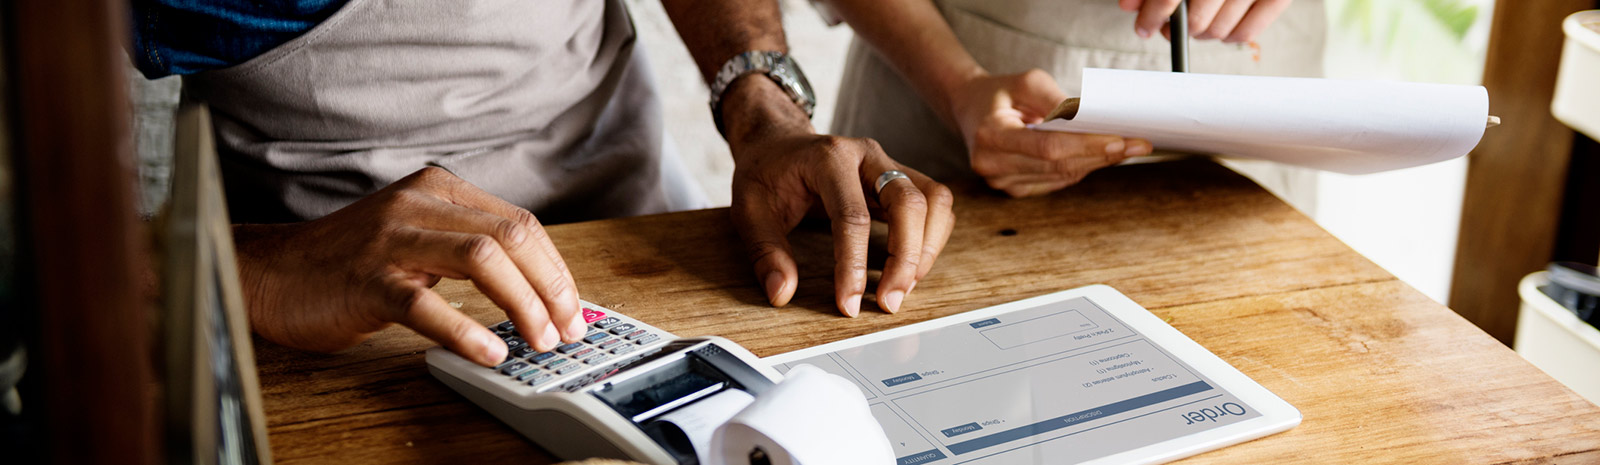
(795, 80)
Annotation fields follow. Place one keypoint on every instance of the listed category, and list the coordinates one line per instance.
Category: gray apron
(1063, 37)
(546, 104)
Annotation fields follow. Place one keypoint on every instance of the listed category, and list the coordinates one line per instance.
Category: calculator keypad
(608, 336)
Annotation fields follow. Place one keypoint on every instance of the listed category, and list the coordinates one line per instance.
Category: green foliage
(1380, 20)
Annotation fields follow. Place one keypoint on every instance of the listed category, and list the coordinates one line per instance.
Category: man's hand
(782, 169)
(1232, 21)
(993, 113)
(329, 283)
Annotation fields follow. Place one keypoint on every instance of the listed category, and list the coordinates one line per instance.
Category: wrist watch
(775, 65)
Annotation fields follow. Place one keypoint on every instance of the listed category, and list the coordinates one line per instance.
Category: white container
(1555, 340)
(1577, 96)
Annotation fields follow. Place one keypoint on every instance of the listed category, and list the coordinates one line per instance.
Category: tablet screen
(1061, 382)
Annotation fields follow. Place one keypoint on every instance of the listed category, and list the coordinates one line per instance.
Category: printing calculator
(605, 395)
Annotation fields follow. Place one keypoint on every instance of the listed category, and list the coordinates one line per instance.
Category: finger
(429, 315)
(1261, 15)
(1152, 14)
(941, 221)
(1052, 145)
(524, 238)
(1029, 185)
(906, 211)
(1037, 189)
(841, 191)
(1129, 5)
(765, 233)
(481, 259)
(1201, 13)
(1227, 18)
(994, 163)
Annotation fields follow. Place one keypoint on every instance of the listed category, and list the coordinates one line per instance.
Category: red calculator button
(590, 316)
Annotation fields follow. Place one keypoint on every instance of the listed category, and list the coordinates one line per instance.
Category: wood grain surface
(1381, 373)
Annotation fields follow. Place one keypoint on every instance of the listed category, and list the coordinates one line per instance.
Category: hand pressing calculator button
(526, 370)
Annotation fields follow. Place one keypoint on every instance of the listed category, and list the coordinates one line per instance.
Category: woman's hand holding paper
(993, 112)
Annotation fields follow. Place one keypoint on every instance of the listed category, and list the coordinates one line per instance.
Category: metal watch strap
(777, 66)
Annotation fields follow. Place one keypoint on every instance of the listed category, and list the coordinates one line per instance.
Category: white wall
(1407, 220)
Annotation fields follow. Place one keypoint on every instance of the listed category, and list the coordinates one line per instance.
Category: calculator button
(515, 368)
(557, 363)
(542, 356)
(622, 350)
(567, 349)
(646, 339)
(527, 375)
(540, 379)
(636, 334)
(515, 343)
(524, 352)
(509, 359)
(582, 353)
(599, 357)
(596, 337)
(607, 323)
(504, 326)
(622, 329)
(508, 337)
(590, 315)
(569, 369)
(609, 344)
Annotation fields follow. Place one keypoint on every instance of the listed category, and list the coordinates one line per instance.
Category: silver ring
(888, 176)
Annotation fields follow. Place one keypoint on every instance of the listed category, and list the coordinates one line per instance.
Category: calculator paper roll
(1350, 127)
(812, 418)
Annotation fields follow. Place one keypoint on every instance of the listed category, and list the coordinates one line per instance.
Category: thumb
(1036, 93)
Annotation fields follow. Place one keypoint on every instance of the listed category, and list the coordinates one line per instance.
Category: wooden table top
(1381, 373)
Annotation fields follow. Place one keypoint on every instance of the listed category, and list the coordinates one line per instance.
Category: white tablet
(1079, 376)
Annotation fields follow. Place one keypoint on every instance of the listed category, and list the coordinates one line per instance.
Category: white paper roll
(700, 420)
(812, 418)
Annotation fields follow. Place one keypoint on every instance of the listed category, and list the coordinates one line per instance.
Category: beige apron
(1061, 37)
(546, 104)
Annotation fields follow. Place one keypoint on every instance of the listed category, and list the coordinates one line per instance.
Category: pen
(1178, 29)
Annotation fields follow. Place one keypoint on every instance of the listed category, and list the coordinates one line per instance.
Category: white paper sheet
(1351, 127)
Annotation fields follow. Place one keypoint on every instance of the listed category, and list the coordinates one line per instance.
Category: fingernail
(552, 337)
(577, 328)
(1138, 150)
(1115, 147)
(494, 349)
(852, 306)
(774, 285)
(1143, 33)
(891, 301)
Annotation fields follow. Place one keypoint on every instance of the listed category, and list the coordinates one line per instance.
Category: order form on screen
(1077, 376)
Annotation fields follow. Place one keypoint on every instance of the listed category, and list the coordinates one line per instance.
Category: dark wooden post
(87, 246)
